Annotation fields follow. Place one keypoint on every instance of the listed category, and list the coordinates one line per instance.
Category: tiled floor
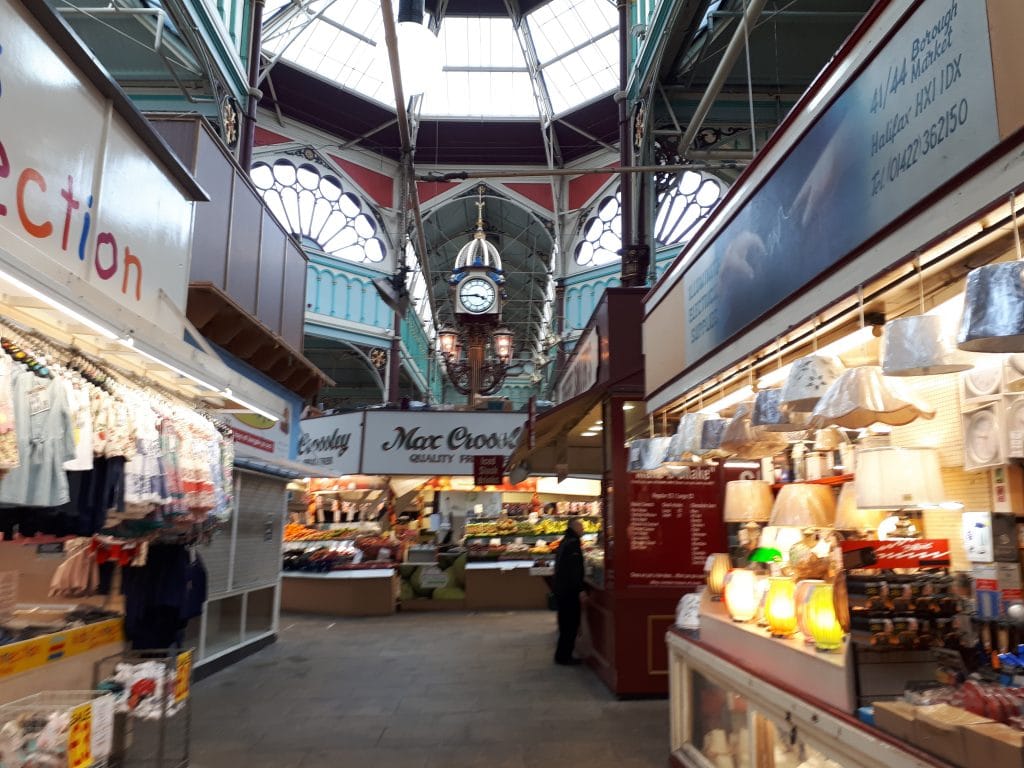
(419, 691)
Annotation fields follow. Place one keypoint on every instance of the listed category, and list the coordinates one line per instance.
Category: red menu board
(674, 524)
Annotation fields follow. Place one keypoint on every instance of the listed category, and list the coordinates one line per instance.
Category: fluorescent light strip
(204, 384)
(255, 409)
(59, 306)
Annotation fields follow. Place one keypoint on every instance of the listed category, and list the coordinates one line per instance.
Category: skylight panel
(583, 75)
(480, 42)
(481, 94)
(561, 25)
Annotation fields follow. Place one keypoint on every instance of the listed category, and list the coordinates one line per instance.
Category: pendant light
(769, 414)
(920, 345)
(993, 318)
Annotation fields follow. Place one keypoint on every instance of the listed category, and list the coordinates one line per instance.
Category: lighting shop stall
(113, 449)
(634, 573)
(850, 320)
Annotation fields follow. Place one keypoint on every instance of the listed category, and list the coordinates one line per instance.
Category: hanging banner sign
(488, 470)
(674, 524)
(921, 111)
(82, 198)
(332, 443)
(436, 442)
(581, 374)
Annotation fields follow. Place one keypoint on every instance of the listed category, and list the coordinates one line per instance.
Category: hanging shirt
(80, 405)
(45, 441)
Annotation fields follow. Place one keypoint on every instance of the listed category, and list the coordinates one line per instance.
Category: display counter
(506, 585)
(737, 709)
(366, 592)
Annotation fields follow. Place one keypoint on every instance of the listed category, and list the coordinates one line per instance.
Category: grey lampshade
(921, 346)
(809, 378)
(769, 415)
(691, 427)
(993, 318)
(711, 434)
(863, 396)
(746, 441)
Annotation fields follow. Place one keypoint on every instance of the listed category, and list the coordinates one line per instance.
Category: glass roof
(485, 67)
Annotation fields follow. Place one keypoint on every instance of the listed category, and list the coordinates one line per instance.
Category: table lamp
(780, 606)
(749, 502)
(900, 479)
(850, 517)
(804, 505)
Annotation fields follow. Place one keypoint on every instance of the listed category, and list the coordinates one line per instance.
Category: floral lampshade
(863, 396)
(809, 378)
(769, 415)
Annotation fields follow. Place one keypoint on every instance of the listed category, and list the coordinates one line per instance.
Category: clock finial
(480, 211)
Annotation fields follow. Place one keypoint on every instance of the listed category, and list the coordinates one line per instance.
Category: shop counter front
(364, 592)
(506, 585)
(744, 709)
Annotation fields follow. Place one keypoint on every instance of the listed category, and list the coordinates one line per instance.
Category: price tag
(38, 399)
(183, 676)
(102, 726)
(80, 737)
(1017, 442)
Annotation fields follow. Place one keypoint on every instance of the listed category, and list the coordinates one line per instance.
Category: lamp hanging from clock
(477, 353)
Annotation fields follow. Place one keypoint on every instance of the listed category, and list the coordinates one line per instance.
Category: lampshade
(863, 396)
(646, 454)
(809, 378)
(747, 501)
(891, 478)
(711, 435)
(803, 592)
(921, 346)
(675, 452)
(690, 427)
(828, 439)
(850, 517)
(740, 595)
(780, 606)
(993, 318)
(715, 569)
(769, 416)
(821, 619)
(804, 505)
(746, 441)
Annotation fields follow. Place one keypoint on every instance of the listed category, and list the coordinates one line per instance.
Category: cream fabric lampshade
(809, 378)
(863, 396)
(747, 501)
(849, 517)
(804, 505)
(993, 319)
(921, 346)
(891, 478)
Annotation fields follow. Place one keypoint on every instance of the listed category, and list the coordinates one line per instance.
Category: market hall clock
(477, 295)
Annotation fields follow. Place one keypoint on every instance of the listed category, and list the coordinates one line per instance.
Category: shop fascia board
(981, 189)
(108, 330)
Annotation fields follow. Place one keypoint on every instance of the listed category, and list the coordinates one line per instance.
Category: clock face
(477, 295)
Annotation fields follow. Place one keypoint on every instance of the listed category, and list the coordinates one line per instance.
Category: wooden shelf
(836, 480)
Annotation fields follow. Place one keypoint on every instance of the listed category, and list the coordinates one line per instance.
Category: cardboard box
(895, 718)
(993, 744)
(990, 536)
(939, 729)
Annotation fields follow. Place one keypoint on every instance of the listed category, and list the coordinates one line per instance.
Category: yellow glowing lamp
(780, 606)
(803, 594)
(821, 618)
(741, 597)
(716, 567)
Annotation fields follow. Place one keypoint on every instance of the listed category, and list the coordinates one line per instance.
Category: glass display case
(725, 716)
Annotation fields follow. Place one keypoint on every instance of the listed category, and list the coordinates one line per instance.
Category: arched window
(684, 201)
(315, 207)
(601, 234)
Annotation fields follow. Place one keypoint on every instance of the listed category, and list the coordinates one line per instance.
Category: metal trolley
(66, 728)
(153, 707)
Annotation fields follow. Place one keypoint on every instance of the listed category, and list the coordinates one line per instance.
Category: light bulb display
(780, 606)
(741, 598)
(821, 618)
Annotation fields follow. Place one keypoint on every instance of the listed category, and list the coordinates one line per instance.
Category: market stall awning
(560, 446)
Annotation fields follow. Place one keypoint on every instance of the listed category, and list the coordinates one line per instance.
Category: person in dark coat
(569, 589)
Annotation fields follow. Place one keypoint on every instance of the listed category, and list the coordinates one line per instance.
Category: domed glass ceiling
(485, 59)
